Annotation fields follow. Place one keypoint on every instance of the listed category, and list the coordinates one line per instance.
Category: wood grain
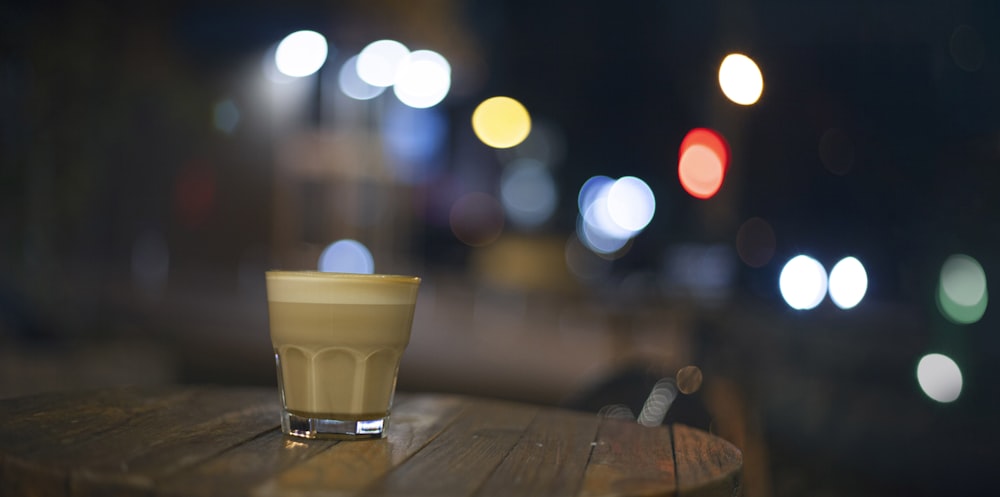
(548, 460)
(630, 460)
(124, 439)
(348, 467)
(706, 465)
(213, 441)
(459, 460)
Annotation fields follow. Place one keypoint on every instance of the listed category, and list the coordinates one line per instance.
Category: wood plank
(630, 459)
(238, 470)
(133, 436)
(459, 460)
(706, 465)
(349, 467)
(549, 460)
(40, 426)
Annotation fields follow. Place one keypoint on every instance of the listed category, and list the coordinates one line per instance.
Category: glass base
(337, 429)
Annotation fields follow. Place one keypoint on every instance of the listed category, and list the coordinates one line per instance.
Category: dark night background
(877, 135)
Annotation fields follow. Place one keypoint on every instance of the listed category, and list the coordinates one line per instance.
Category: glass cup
(338, 339)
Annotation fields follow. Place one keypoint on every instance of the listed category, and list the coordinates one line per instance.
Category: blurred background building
(789, 204)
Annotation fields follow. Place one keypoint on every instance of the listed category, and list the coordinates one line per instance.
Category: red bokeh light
(703, 160)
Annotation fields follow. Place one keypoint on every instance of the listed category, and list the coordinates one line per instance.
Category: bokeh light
(962, 294)
(803, 282)
(301, 53)
(703, 159)
(848, 283)
(700, 171)
(347, 256)
(423, 79)
(414, 140)
(939, 377)
(613, 211)
(379, 62)
(662, 396)
(740, 79)
(631, 203)
(708, 138)
(476, 219)
(755, 242)
(225, 116)
(501, 122)
(352, 85)
(689, 379)
(528, 193)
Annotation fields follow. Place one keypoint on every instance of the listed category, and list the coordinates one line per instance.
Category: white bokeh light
(352, 85)
(423, 79)
(631, 203)
(848, 283)
(379, 62)
(301, 53)
(347, 256)
(802, 282)
(939, 377)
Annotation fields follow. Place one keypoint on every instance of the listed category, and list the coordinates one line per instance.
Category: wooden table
(214, 441)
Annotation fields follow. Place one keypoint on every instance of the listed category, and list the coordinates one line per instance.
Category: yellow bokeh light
(740, 79)
(501, 122)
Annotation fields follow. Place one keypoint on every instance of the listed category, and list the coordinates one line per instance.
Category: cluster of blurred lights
(419, 79)
(803, 283)
(962, 298)
(612, 212)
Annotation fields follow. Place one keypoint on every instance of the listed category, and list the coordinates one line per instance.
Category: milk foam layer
(315, 287)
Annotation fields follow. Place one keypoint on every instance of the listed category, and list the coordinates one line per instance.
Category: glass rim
(316, 274)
